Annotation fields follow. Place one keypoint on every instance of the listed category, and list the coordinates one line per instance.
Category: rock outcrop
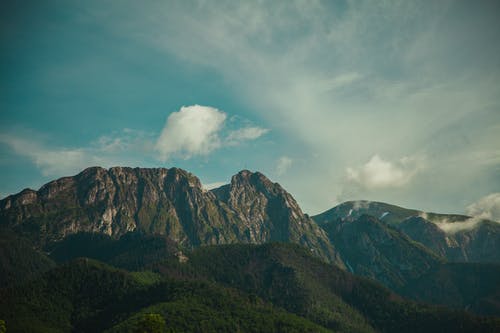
(170, 202)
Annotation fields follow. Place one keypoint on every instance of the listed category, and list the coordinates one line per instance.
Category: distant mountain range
(162, 220)
(457, 238)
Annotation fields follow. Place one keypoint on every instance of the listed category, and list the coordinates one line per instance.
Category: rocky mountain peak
(254, 179)
(171, 202)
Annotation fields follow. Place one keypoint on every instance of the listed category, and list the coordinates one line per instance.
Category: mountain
(458, 238)
(170, 202)
(289, 277)
(373, 249)
(163, 220)
(19, 261)
(471, 286)
(229, 288)
(88, 296)
(390, 214)
(269, 213)
(132, 251)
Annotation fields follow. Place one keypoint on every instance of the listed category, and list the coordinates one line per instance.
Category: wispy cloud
(347, 81)
(454, 227)
(115, 149)
(488, 207)
(283, 164)
(338, 80)
(49, 161)
(243, 134)
(192, 131)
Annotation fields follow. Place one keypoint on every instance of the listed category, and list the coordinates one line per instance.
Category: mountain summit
(170, 202)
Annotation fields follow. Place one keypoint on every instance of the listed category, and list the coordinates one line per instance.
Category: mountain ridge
(170, 202)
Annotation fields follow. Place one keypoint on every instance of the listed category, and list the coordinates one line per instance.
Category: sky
(394, 101)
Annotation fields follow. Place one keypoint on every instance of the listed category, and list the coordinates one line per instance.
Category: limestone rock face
(269, 213)
(118, 200)
(170, 202)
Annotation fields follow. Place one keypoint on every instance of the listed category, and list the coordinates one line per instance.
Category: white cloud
(121, 148)
(246, 133)
(377, 72)
(389, 73)
(379, 173)
(49, 161)
(487, 207)
(283, 164)
(454, 227)
(198, 130)
(193, 130)
(126, 140)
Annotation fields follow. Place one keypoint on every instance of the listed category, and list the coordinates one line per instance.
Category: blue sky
(396, 101)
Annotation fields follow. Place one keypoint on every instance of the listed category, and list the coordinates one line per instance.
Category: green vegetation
(133, 251)
(275, 287)
(87, 296)
(287, 276)
(458, 285)
(19, 261)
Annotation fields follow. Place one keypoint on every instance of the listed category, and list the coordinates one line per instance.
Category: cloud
(365, 71)
(120, 148)
(193, 130)
(50, 162)
(379, 173)
(488, 207)
(454, 227)
(247, 133)
(283, 164)
(198, 130)
(345, 80)
(126, 140)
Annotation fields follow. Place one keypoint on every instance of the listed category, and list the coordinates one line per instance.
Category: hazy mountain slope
(475, 287)
(373, 249)
(458, 238)
(390, 214)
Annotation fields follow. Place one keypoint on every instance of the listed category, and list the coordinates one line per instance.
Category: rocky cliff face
(171, 202)
(118, 200)
(269, 213)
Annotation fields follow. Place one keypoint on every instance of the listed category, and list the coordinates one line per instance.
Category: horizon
(395, 102)
(215, 186)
